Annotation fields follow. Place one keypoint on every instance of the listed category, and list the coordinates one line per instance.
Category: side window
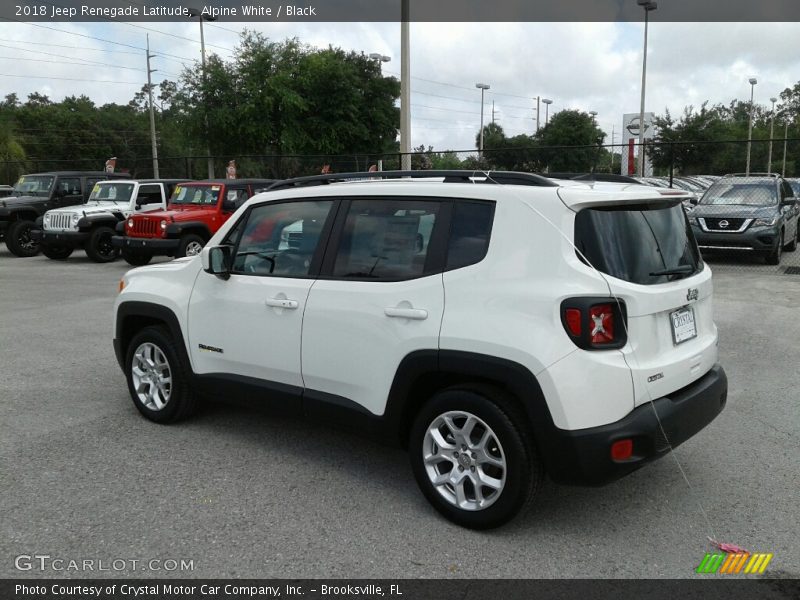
(69, 187)
(237, 195)
(90, 184)
(786, 190)
(386, 239)
(469, 233)
(278, 239)
(148, 194)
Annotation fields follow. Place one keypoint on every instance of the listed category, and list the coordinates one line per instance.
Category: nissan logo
(723, 224)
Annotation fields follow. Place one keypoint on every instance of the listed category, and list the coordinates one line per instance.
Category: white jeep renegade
(498, 325)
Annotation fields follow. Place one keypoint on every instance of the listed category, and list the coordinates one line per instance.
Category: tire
(153, 354)
(190, 245)
(98, 246)
(18, 239)
(792, 246)
(498, 424)
(774, 257)
(136, 259)
(56, 252)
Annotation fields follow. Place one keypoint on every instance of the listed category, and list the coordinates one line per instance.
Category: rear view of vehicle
(749, 215)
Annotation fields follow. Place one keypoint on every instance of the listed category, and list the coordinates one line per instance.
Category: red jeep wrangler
(195, 211)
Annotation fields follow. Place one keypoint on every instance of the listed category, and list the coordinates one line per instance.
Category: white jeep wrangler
(92, 225)
(498, 325)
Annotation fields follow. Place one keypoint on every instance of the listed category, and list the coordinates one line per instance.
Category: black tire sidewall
(136, 259)
(12, 233)
(93, 243)
(520, 459)
(186, 240)
(159, 338)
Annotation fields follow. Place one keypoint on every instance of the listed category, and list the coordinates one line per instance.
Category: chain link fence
(745, 220)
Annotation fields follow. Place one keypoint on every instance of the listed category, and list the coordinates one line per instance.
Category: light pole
(753, 81)
(482, 87)
(547, 102)
(380, 58)
(405, 87)
(785, 141)
(193, 12)
(771, 133)
(593, 114)
(647, 5)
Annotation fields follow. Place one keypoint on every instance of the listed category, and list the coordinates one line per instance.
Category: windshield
(751, 193)
(205, 195)
(112, 192)
(639, 244)
(34, 185)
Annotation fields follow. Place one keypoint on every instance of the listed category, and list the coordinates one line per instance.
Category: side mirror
(229, 205)
(216, 260)
(694, 201)
(789, 201)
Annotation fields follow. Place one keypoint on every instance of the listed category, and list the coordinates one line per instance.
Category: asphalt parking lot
(246, 494)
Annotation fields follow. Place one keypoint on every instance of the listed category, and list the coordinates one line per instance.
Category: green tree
(570, 142)
(12, 156)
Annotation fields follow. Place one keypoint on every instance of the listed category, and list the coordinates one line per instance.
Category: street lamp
(482, 87)
(547, 102)
(753, 81)
(771, 134)
(380, 57)
(647, 5)
(194, 12)
(593, 113)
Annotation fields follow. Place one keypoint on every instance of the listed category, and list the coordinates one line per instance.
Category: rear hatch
(648, 254)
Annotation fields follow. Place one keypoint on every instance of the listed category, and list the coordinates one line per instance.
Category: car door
(150, 196)
(68, 192)
(249, 325)
(380, 296)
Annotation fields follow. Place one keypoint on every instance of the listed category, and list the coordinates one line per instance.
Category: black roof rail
(608, 177)
(449, 176)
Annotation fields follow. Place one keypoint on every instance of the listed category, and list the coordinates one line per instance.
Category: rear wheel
(191, 244)
(19, 240)
(99, 248)
(136, 259)
(774, 257)
(473, 458)
(56, 252)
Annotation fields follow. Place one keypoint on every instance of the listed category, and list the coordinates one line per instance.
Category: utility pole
(611, 166)
(785, 141)
(538, 106)
(152, 116)
(771, 134)
(492, 112)
(405, 88)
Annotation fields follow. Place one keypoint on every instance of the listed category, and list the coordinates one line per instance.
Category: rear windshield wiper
(680, 270)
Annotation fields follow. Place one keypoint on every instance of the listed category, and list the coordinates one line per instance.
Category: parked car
(752, 214)
(36, 194)
(195, 211)
(537, 361)
(91, 226)
(6, 190)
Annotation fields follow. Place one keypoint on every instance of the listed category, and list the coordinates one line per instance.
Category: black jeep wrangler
(34, 195)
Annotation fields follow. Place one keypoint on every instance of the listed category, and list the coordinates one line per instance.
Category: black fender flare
(177, 229)
(132, 315)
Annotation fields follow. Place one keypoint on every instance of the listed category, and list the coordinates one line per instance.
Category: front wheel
(774, 257)
(136, 259)
(57, 252)
(19, 240)
(190, 245)
(473, 458)
(157, 379)
(792, 246)
(99, 247)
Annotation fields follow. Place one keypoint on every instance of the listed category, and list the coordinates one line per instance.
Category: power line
(71, 79)
(70, 47)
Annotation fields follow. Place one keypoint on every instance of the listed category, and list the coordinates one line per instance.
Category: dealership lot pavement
(246, 494)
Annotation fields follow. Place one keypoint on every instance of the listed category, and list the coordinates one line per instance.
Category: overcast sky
(586, 66)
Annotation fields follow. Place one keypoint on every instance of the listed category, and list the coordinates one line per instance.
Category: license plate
(683, 325)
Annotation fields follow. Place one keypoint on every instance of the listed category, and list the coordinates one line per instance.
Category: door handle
(281, 303)
(417, 314)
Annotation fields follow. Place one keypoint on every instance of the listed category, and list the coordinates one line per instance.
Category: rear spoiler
(577, 198)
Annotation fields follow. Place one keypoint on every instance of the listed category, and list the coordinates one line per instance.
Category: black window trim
(437, 247)
(493, 205)
(319, 252)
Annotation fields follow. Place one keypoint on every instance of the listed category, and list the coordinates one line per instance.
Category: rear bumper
(70, 239)
(583, 457)
(149, 245)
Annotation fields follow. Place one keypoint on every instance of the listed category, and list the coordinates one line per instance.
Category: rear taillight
(595, 323)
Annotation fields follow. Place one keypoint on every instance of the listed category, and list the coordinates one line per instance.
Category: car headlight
(75, 218)
(163, 225)
(130, 223)
(766, 222)
(47, 217)
(692, 219)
